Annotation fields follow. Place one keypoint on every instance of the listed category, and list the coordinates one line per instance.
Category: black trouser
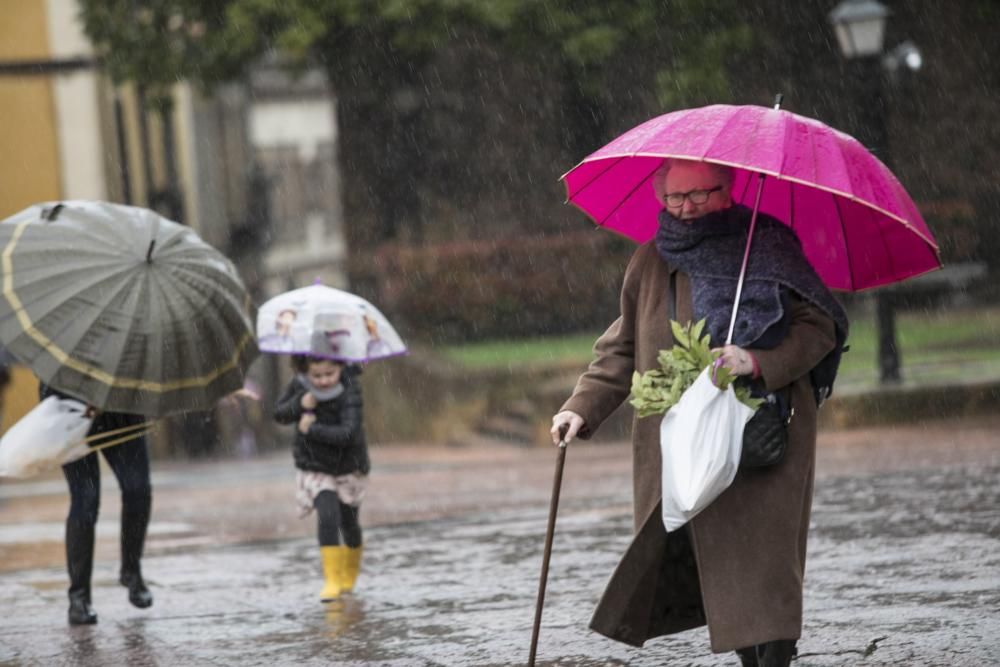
(130, 463)
(337, 520)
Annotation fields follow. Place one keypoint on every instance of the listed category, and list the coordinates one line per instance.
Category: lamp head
(860, 27)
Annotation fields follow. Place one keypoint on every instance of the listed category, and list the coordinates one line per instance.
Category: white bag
(701, 438)
(51, 434)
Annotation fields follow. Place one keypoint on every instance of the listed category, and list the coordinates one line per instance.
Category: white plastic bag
(701, 438)
(51, 434)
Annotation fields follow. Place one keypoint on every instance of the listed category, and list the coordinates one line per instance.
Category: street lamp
(860, 29)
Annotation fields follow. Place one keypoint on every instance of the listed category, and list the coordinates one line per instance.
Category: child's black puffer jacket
(335, 443)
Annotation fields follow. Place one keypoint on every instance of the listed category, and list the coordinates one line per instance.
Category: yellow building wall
(23, 32)
(29, 170)
(18, 397)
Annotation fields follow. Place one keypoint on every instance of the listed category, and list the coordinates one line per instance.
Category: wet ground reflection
(903, 566)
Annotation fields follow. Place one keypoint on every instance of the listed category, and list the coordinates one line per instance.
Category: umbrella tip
(777, 100)
(149, 253)
(50, 214)
(317, 281)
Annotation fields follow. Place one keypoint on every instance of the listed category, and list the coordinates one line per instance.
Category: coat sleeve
(346, 432)
(608, 380)
(811, 336)
(289, 407)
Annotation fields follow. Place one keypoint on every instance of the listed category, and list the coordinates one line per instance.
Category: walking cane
(550, 531)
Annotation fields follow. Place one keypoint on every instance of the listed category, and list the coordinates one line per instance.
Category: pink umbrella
(858, 226)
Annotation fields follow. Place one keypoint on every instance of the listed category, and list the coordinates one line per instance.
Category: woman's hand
(308, 401)
(736, 359)
(568, 420)
(305, 421)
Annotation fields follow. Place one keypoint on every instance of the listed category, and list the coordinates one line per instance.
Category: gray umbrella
(122, 308)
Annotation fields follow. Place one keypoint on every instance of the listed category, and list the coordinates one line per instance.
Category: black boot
(748, 656)
(778, 653)
(80, 564)
(80, 611)
(138, 594)
(135, 520)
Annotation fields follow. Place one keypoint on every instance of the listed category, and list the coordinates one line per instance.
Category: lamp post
(860, 29)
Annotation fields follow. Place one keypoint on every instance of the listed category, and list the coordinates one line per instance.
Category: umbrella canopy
(858, 226)
(122, 308)
(325, 322)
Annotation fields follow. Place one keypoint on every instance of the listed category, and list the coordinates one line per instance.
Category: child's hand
(308, 401)
(305, 421)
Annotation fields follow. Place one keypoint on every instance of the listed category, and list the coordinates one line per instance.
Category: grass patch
(933, 345)
(938, 347)
(512, 353)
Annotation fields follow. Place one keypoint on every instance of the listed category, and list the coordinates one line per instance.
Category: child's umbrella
(550, 531)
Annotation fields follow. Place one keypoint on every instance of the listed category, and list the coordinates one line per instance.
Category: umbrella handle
(746, 253)
(145, 426)
(549, 533)
(123, 439)
(746, 259)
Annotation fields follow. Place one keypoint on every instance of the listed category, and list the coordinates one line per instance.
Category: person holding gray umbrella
(135, 316)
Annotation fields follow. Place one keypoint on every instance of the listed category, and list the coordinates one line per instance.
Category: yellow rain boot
(353, 568)
(334, 567)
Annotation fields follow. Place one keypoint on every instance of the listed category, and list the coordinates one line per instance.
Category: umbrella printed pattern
(858, 226)
(325, 322)
(122, 308)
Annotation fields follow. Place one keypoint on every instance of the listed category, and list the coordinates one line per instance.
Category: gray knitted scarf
(321, 394)
(710, 250)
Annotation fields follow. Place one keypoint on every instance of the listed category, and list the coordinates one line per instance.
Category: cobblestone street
(903, 563)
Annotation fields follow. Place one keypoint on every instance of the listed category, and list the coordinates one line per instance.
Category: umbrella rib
(110, 269)
(125, 286)
(211, 286)
(791, 207)
(168, 307)
(627, 197)
(174, 315)
(595, 177)
(219, 324)
(868, 210)
(109, 278)
(155, 299)
(847, 246)
(885, 245)
(128, 335)
(95, 314)
(733, 119)
(746, 186)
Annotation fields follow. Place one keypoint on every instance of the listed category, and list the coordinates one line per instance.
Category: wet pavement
(904, 562)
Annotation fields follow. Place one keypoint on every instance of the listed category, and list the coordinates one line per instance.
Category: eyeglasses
(676, 199)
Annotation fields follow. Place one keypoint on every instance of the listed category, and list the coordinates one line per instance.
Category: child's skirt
(350, 488)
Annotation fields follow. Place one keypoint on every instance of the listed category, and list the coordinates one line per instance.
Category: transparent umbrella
(326, 322)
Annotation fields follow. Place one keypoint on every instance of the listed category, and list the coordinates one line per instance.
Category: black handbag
(765, 436)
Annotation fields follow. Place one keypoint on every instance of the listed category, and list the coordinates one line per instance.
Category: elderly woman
(738, 566)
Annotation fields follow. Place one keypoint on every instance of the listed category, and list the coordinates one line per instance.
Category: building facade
(252, 168)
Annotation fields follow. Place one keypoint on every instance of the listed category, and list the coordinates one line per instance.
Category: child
(324, 402)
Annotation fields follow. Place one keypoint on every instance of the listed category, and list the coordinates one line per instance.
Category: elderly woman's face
(694, 189)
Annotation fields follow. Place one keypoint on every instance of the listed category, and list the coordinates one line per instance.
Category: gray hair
(724, 173)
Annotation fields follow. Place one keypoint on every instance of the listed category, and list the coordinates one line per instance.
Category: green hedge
(503, 288)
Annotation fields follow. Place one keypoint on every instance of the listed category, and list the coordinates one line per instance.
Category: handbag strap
(672, 296)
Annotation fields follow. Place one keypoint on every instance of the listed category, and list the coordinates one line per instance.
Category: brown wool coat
(750, 544)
